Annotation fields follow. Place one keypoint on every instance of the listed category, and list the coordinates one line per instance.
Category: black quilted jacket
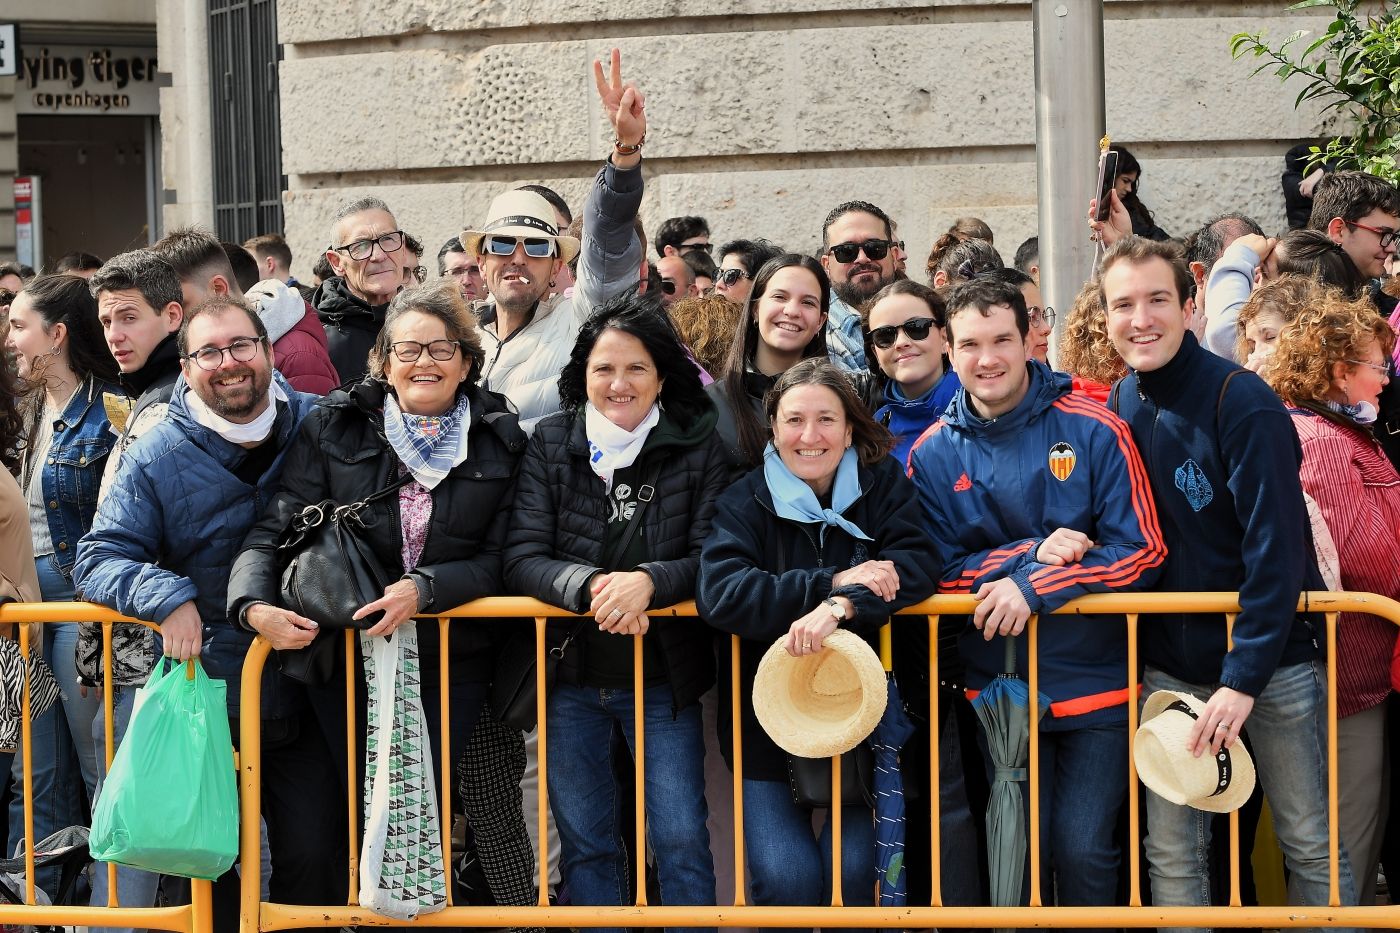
(557, 529)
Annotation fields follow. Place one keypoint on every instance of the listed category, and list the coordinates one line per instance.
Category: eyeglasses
(1381, 368)
(874, 250)
(360, 249)
(1387, 236)
(916, 327)
(242, 350)
(705, 248)
(535, 247)
(730, 277)
(408, 351)
(1042, 317)
(668, 286)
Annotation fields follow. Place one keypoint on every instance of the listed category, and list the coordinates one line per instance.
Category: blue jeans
(54, 769)
(135, 888)
(789, 865)
(61, 650)
(583, 795)
(1288, 731)
(1083, 785)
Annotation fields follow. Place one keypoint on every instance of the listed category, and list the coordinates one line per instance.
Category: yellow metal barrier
(258, 916)
(195, 917)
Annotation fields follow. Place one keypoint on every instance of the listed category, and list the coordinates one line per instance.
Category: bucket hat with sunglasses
(520, 215)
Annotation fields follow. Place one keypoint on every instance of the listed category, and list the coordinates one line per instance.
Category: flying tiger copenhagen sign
(76, 79)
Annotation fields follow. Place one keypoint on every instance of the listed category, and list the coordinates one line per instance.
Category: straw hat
(1216, 784)
(522, 214)
(820, 704)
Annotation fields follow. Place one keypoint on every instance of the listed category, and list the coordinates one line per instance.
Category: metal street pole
(1069, 120)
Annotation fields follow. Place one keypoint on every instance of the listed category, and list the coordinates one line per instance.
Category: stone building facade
(763, 113)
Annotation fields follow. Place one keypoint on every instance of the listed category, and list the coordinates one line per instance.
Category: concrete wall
(763, 113)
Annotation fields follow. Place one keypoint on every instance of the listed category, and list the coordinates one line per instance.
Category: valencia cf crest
(1062, 460)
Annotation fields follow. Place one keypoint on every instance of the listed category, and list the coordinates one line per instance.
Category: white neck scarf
(610, 448)
(254, 432)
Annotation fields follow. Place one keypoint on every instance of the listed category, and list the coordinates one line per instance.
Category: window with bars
(244, 105)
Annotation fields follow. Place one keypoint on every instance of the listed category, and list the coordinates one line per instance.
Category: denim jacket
(72, 471)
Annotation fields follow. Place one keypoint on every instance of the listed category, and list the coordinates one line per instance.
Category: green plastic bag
(170, 802)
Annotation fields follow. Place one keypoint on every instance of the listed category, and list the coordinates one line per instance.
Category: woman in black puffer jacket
(613, 503)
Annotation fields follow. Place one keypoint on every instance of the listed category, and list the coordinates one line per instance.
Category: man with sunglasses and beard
(526, 331)
(859, 254)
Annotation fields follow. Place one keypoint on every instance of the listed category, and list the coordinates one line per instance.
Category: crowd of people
(800, 444)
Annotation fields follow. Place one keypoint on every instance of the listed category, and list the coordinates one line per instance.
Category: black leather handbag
(330, 569)
(810, 779)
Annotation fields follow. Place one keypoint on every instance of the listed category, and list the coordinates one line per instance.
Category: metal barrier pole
(1235, 899)
(834, 815)
(1033, 711)
(27, 764)
(737, 725)
(445, 765)
(202, 907)
(250, 800)
(109, 731)
(1134, 819)
(352, 818)
(934, 763)
(1334, 896)
(541, 756)
(639, 778)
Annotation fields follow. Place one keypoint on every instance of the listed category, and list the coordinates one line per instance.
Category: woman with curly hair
(1086, 353)
(1330, 366)
(706, 325)
(1269, 309)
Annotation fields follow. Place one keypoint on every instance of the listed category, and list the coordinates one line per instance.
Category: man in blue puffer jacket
(164, 541)
(1035, 496)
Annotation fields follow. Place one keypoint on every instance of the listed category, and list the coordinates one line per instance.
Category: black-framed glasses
(1387, 236)
(243, 349)
(730, 277)
(1042, 317)
(535, 247)
(360, 249)
(874, 250)
(705, 248)
(668, 286)
(1381, 368)
(916, 327)
(408, 351)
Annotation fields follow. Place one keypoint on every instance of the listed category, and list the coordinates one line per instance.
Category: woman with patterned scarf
(420, 423)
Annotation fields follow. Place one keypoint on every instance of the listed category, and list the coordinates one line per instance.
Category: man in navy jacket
(1035, 496)
(1223, 460)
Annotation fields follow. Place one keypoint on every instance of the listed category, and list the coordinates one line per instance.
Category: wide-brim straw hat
(522, 214)
(1215, 783)
(820, 704)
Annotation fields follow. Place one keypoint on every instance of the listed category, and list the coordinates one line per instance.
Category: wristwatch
(837, 612)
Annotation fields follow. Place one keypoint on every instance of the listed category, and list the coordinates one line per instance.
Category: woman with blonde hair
(1330, 365)
(1269, 309)
(1085, 351)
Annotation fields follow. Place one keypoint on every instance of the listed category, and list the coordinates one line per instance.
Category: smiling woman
(614, 500)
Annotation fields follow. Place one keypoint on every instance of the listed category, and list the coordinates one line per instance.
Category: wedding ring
(806, 644)
(615, 612)
(1223, 725)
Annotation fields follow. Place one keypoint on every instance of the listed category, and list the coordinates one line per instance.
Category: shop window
(247, 136)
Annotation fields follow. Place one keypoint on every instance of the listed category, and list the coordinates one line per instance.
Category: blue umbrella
(1003, 708)
(891, 732)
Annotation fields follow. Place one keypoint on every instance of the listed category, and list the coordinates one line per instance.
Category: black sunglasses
(730, 277)
(874, 250)
(668, 286)
(916, 327)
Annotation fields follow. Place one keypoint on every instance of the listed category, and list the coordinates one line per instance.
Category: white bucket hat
(1217, 784)
(522, 214)
(820, 704)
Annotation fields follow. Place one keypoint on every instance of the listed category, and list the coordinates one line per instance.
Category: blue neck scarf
(430, 446)
(793, 499)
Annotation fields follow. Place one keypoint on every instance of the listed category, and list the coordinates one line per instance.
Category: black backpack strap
(1220, 401)
(1113, 396)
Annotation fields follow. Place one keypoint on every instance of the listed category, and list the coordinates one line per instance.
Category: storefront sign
(75, 79)
(29, 245)
(9, 50)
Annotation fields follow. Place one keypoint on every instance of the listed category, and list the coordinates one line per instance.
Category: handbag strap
(645, 493)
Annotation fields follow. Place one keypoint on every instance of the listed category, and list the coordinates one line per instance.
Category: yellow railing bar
(541, 758)
(1235, 899)
(935, 763)
(1033, 710)
(736, 721)
(639, 773)
(1334, 896)
(1134, 829)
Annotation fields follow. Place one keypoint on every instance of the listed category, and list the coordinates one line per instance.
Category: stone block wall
(763, 113)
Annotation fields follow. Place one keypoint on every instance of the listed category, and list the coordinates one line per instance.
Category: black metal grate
(247, 143)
